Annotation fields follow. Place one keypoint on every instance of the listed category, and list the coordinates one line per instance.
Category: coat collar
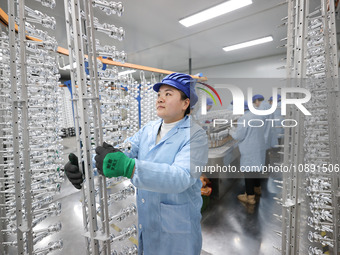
(184, 123)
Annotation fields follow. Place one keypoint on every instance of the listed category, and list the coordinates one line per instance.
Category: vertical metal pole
(25, 131)
(15, 125)
(85, 133)
(3, 102)
(2, 188)
(75, 102)
(293, 149)
(92, 57)
(190, 67)
(287, 136)
(299, 141)
(289, 158)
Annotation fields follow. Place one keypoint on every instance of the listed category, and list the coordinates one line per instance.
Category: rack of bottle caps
(30, 150)
(310, 197)
(107, 108)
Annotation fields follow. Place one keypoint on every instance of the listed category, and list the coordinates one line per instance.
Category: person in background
(162, 165)
(252, 149)
(270, 136)
(257, 100)
(209, 104)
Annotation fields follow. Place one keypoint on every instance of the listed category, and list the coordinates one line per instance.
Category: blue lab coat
(168, 187)
(251, 141)
(270, 132)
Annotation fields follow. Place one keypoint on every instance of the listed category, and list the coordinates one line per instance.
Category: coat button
(143, 200)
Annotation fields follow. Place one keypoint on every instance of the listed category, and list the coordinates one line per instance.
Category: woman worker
(162, 165)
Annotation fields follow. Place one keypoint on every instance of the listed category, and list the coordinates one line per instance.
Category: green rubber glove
(118, 164)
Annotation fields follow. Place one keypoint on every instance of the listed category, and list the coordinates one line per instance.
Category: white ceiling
(155, 38)
(167, 44)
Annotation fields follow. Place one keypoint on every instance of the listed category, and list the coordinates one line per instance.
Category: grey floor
(232, 227)
(228, 226)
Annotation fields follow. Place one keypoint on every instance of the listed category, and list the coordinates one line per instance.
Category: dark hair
(183, 97)
(260, 99)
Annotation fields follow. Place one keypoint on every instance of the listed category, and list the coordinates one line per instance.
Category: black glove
(72, 171)
(102, 151)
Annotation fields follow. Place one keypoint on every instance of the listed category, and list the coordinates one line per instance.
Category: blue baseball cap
(182, 82)
(258, 97)
(210, 101)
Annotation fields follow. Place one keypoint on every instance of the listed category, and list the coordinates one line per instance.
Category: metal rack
(29, 171)
(310, 197)
(103, 112)
(99, 103)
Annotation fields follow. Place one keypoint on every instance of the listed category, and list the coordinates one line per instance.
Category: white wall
(258, 68)
(259, 74)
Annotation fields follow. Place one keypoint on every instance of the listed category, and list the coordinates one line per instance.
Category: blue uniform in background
(168, 187)
(251, 142)
(270, 132)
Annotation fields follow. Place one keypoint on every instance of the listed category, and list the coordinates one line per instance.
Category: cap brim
(169, 83)
(157, 86)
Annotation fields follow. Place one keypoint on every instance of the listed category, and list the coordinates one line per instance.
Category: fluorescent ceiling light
(126, 72)
(215, 11)
(248, 44)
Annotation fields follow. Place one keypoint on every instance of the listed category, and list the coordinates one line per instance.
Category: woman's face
(170, 107)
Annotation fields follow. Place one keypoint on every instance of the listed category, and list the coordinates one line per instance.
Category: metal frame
(292, 197)
(98, 239)
(3, 225)
(22, 192)
(2, 181)
(293, 149)
(15, 125)
(19, 101)
(27, 225)
(84, 152)
(86, 99)
(75, 100)
(98, 132)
